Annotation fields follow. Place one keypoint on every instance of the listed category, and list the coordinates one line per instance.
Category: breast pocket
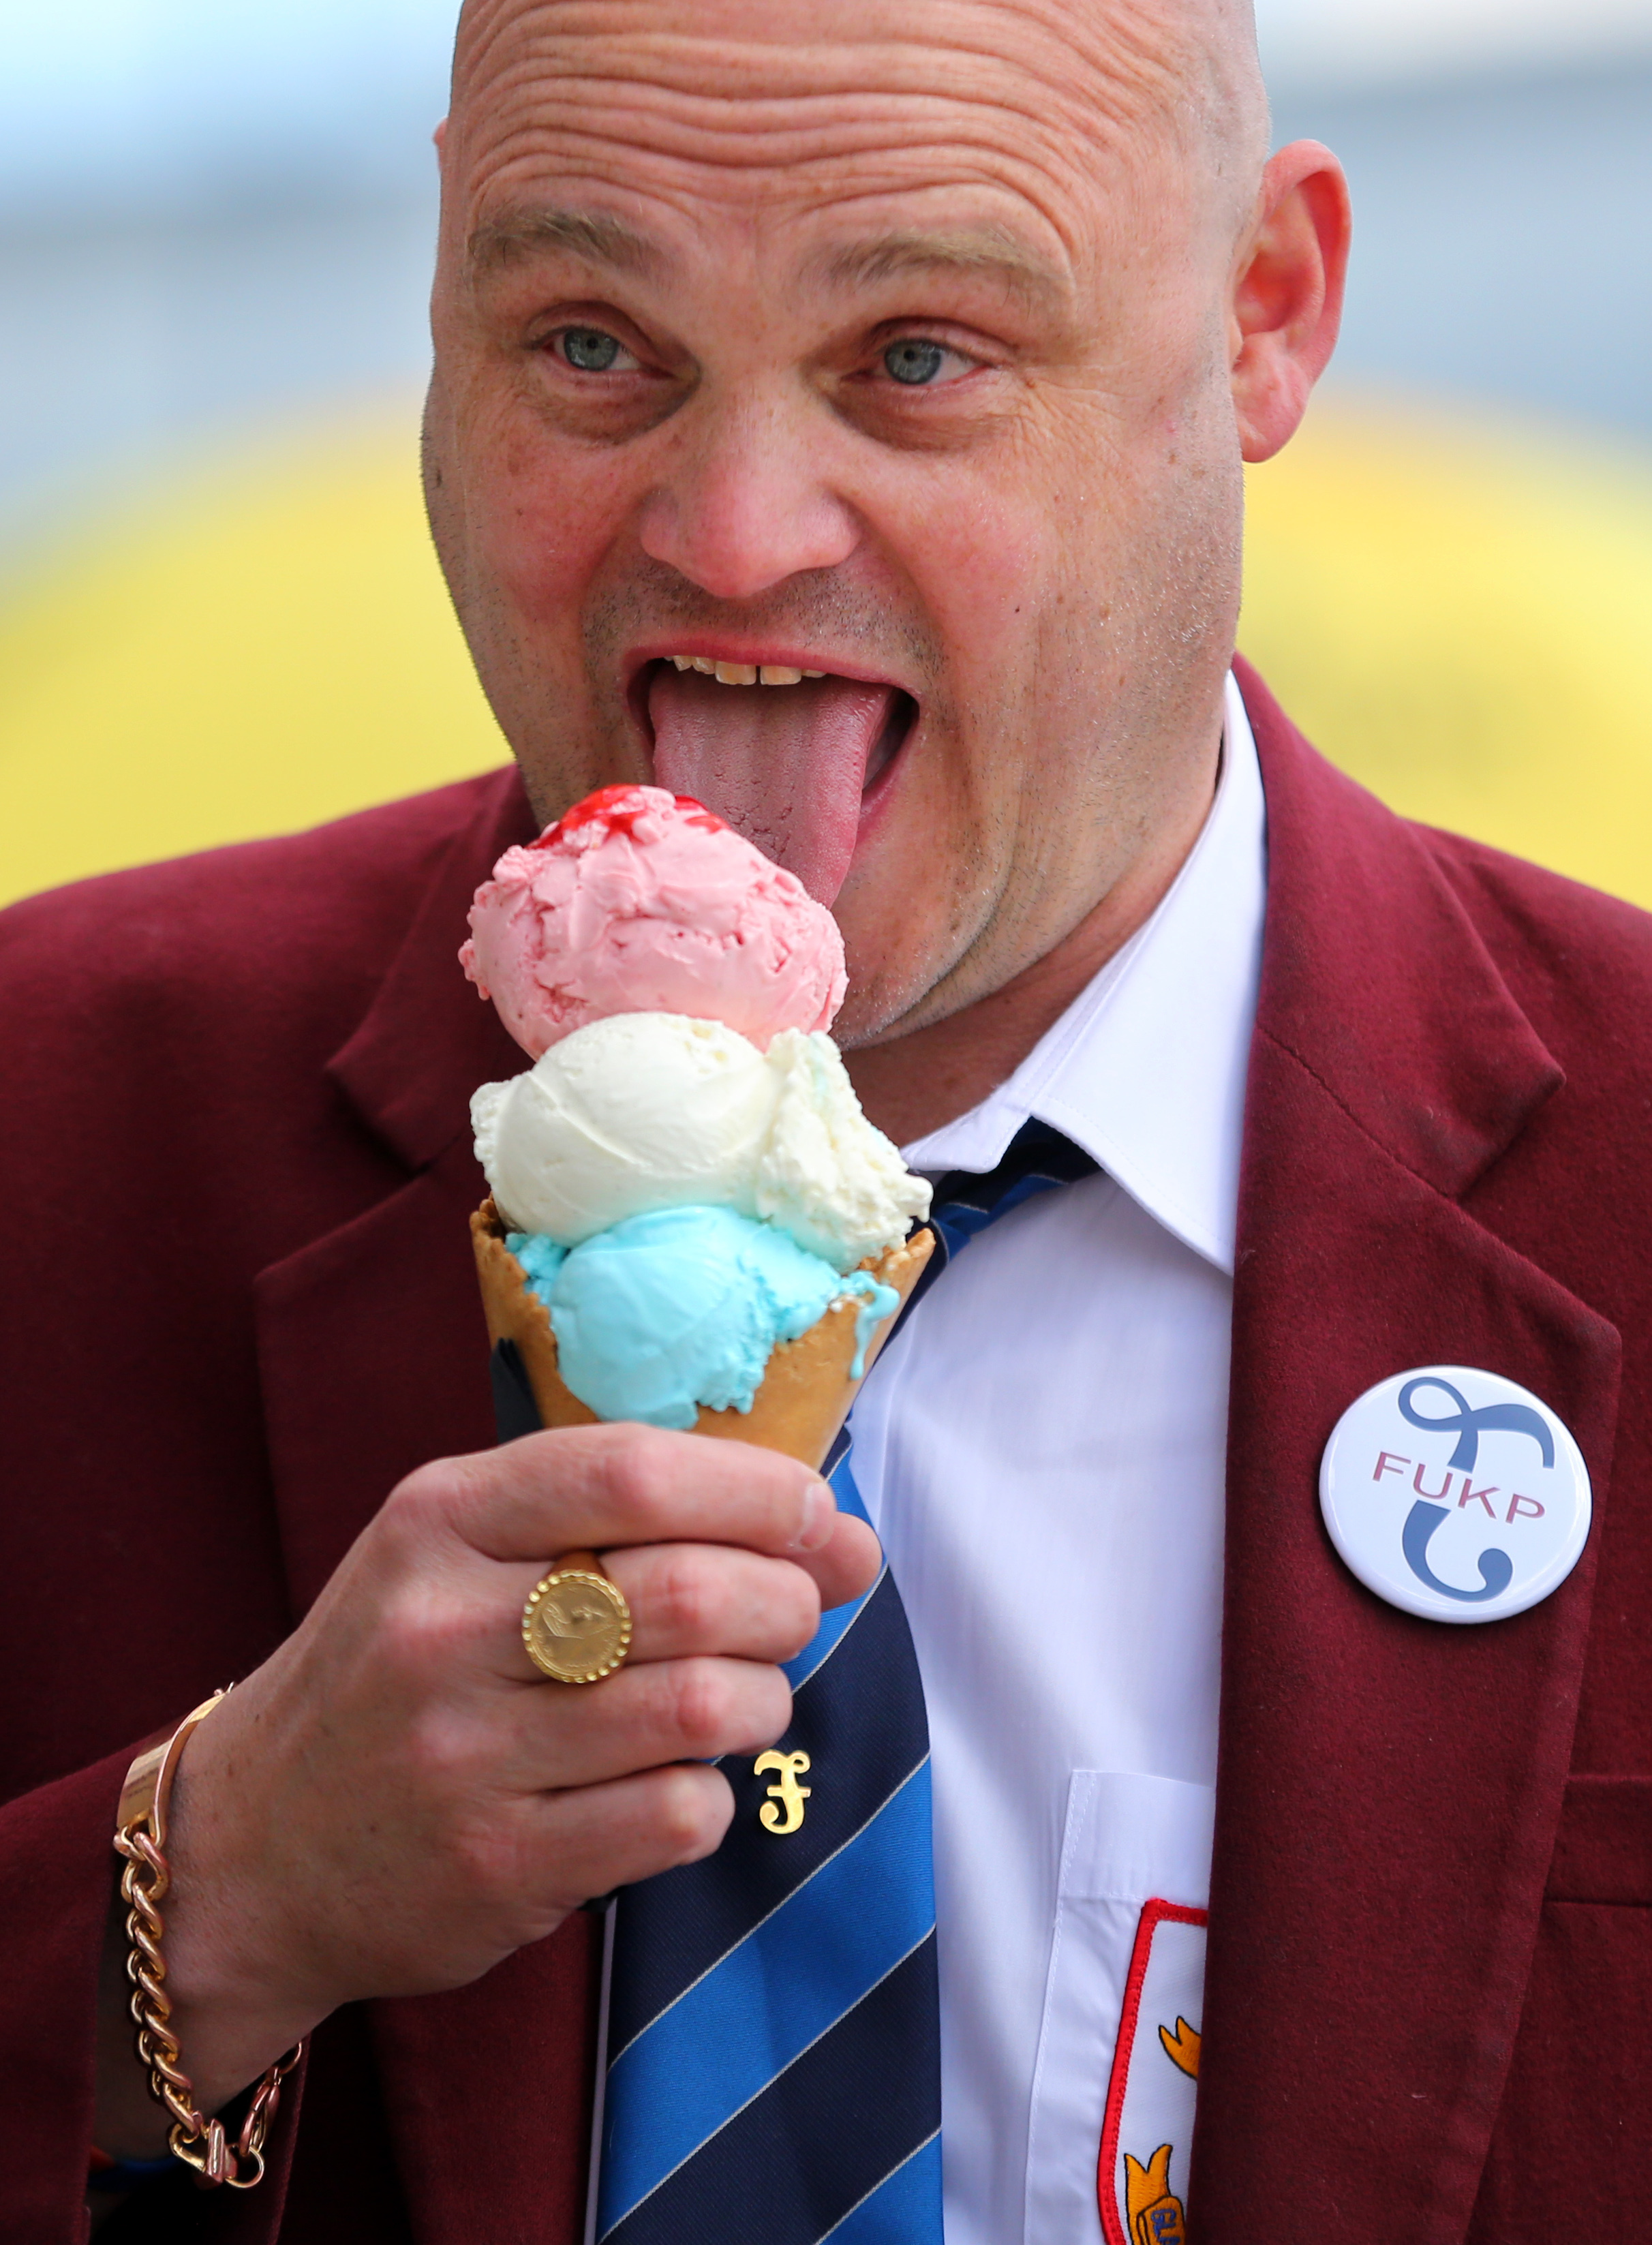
(1116, 2078)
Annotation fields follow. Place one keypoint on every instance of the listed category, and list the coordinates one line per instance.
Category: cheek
(1043, 530)
(543, 514)
(982, 553)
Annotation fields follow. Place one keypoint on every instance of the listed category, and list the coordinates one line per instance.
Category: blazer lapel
(372, 1351)
(374, 1359)
(1388, 1789)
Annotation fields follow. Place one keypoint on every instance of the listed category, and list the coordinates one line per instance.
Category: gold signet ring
(576, 1625)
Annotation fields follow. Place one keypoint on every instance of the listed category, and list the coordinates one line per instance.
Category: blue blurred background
(215, 228)
(212, 212)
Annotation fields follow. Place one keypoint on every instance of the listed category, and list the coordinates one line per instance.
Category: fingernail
(820, 1516)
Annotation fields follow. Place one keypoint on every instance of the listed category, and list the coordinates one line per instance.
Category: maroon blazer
(239, 1305)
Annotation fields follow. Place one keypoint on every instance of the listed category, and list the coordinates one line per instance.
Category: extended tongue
(784, 765)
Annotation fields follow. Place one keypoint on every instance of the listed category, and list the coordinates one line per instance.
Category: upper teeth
(745, 674)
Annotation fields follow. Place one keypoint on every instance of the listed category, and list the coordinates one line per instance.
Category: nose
(746, 503)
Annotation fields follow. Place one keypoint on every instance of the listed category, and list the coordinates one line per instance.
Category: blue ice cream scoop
(682, 1307)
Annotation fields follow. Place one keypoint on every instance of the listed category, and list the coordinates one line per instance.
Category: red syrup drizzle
(617, 810)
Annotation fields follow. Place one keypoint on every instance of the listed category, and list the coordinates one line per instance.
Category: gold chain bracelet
(140, 1836)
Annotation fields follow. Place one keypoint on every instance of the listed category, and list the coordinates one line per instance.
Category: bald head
(1177, 76)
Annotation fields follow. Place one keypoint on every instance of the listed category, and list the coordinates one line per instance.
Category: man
(923, 353)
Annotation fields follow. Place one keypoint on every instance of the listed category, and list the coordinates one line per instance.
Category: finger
(598, 1487)
(591, 1840)
(551, 1736)
(703, 1597)
(847, 1564)
(688, 1598)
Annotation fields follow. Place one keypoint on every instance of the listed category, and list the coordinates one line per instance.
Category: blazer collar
(1375, 979)
(429, 1039)
(1388, 1789)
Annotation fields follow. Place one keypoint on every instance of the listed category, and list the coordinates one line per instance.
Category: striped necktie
(774, 2029)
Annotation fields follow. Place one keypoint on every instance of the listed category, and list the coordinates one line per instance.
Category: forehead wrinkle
(1161, 40)
(585, 58)
(1068, 88)
(932, 149)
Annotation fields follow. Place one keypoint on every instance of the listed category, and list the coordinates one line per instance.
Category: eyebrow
(593, 235)
(992, 252)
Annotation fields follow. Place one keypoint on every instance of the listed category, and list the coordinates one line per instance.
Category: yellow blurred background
(1457, 612)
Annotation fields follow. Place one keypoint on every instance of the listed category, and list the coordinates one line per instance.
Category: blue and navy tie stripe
(774, 2051)
(774, 2027)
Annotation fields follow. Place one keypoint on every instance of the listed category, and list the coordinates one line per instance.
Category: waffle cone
(806, 1392)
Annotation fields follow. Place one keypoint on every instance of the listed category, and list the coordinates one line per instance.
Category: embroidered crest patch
(1141, 2177)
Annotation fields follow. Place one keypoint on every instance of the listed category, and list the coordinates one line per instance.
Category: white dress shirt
(1043, 1451)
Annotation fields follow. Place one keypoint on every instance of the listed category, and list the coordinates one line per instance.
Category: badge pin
(783, 1812)
(1455, 1494)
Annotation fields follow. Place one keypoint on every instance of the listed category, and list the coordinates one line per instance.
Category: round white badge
(1455, 1494)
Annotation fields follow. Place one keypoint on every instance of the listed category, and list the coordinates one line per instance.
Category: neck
(911, 1085)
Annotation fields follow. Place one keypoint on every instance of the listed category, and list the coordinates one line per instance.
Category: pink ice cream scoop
(637, 901)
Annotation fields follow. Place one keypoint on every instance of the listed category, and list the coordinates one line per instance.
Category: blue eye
(589, 350)
(913, 361)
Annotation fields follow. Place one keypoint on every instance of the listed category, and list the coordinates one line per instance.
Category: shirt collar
(1146, 1069)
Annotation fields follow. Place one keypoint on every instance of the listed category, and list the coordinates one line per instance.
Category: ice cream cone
(806, 1392)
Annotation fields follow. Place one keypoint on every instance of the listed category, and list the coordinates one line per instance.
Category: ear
(1288, 293)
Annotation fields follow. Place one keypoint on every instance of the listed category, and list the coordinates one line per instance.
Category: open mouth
(795, 758)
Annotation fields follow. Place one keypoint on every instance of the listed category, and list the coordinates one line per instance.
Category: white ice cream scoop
(644, 1111)
(637, 1112)
(824, 1174)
